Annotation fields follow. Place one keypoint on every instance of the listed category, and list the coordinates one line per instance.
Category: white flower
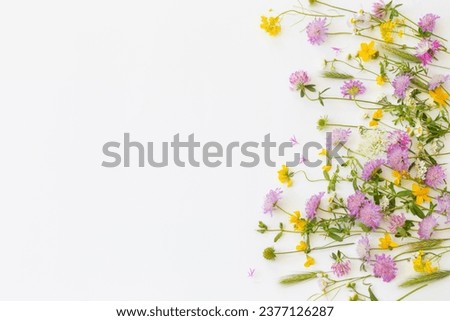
(373, 143)
(384, 203)
(360, 19)
(322, 284)
(418, 130)
(420, 170)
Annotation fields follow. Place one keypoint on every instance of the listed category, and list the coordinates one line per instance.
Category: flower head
(302, 246)
(386, 242)
(299, 79)
(352, 88)
(340, 136)
(341, 268)
(312, 204)
(401, 84)
(400, 138)
(298, 222)
(387, 29)
(367, 51)
(437, 81)
(272, 197)
(376, 117)
(426, 227)
(317, 31)
(421, 193)
(284, 176)
(384, 267)
(428, 22)
(379, 9)
(309, 261)
(370, 214)
(363, 248)
(398, 158)
(424, 266)
(398, 176)
(271, 25)
(396, 221)
(360, 19)
(355, 202)
(426, 49)
(439, 96)
(371, 168)
(435, 176)
(443, 206)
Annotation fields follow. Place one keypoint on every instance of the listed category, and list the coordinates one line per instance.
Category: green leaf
(278, 236)
(372, 295)
(416, 211)
(404, 193)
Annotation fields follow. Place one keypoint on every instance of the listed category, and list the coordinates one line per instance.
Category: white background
(76, 74)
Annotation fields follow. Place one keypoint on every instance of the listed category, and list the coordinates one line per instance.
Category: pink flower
(396, 221)
(426, 49)
(435, 176)
(298, 79)
(341, 268)
(355, 202)
(437, 81)
(401, 84)
(428, 22)
(371, 167)
(363, 249)
(340, 136)
(352, 88)
(312, 204)
(316, 31)
(272, 197)
(384, 267)
(370, 214)
(378, 9)
(426, 227)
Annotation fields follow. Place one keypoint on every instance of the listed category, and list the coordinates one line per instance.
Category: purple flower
(340, 136)
(401, 84)
(397, 158)
(363, 249)
(426, 227)
(370, 214)
(428, 22)
(371, 167)
(312, 204)
(316, 31)
(395, 222)
(443, 205)
(341, 268)
(435, 176)
(384, 267)
(400, 138)
(437, 81)
(298, 79)
(352, 88)
(271, 200)
(355, 202)
(378, 9)
(426, 49)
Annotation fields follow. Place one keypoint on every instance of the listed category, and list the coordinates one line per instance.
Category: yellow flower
(323, 152)
(377, 115)
(417, 262)
(271, 25)
(284, 176)
(421, 194)
(309, 261)
(297, 221)
(301, 246)
(439, 95)
(428, 268)
(367, 51)
(401, 33)
(386, 29)
(387, 243)
(380, 80)
(424, 266)
(326, 168)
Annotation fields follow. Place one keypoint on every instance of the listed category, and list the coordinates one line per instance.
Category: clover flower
(317, 31)
(299, 79)
(426, 49)
(341, 268)
(363, 249)
(379, 9)
(396, 221)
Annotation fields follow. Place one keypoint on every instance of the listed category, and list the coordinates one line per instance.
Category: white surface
(76, 74)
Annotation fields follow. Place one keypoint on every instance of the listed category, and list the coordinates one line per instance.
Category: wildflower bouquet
(387, 199)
